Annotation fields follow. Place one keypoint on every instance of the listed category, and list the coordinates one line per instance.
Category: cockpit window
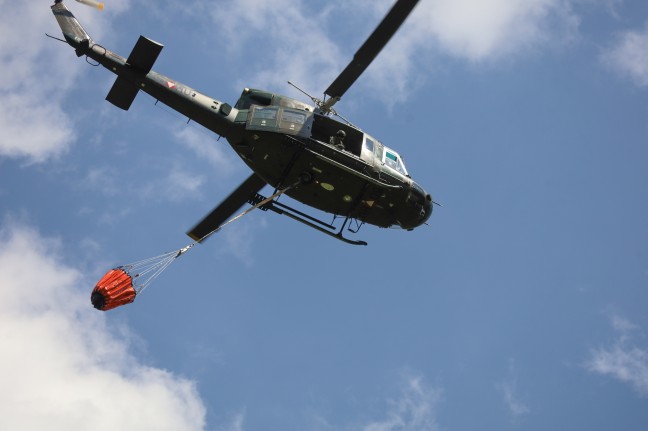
(293, 117)
(269, 113)
(394, 161)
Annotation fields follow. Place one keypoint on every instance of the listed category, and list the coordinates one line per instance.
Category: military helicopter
(299, 148)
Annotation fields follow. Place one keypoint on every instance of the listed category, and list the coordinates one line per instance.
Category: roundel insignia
(170, 84)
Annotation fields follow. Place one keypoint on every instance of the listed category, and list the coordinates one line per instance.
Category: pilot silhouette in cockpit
(338, 140)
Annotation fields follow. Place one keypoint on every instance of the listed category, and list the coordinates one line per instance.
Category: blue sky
(521, 306)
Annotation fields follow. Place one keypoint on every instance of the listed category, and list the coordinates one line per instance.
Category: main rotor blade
(371, 48)
(227, 208)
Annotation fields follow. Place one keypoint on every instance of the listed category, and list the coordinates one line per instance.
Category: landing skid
(319, 225)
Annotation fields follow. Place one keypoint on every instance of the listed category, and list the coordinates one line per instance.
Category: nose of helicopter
(420, 207)
(426, 212)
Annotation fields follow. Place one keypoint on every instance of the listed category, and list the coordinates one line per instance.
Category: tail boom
(134, 73)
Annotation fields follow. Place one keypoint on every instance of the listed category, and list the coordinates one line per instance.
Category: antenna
(324, 106)
(315, 100)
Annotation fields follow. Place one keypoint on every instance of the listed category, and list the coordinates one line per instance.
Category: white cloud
(31, 129)
(415, 410)
(625, 363)
(508, 388)
(478, 30)
(181, 183)
(216, 153)
(301, 50)
(622, 324)
(472, 30)
(35, 75)
(61, 366)
(102, 179)
(236, 423)
(621, 360)
(628, 55)
(237, 239)
(515, 407)
(175, 184)
(34, 127)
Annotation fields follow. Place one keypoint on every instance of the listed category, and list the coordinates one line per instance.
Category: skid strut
(266, 204)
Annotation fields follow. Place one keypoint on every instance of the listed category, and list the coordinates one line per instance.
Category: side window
(292, 120)
(263, 118)
(369, 144)
(293, 117)
(379, 153)
(266, 113)
(393, 161)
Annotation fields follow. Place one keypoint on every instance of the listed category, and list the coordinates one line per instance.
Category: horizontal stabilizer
(122, 93)
(141, 59)
(227, 208)
(144, 54)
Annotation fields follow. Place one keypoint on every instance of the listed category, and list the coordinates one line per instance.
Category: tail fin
(73, 32)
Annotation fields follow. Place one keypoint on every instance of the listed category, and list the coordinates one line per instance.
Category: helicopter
(298, 148)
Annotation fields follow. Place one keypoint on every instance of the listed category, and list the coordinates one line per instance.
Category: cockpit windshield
(394, 161)
(375, 151)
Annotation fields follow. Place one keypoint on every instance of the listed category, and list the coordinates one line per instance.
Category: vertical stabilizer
(73, 32)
